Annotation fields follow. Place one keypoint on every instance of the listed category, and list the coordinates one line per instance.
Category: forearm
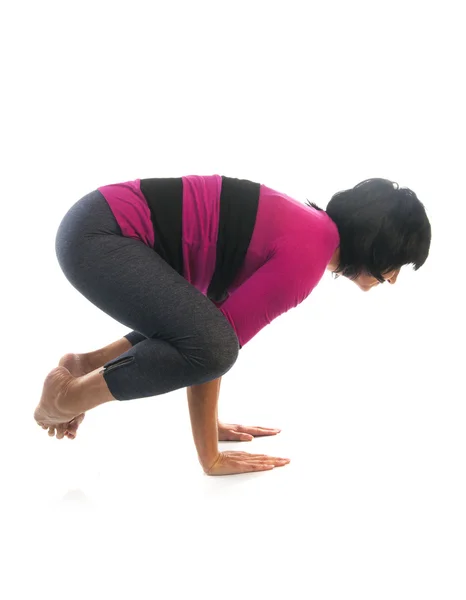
(203, 404)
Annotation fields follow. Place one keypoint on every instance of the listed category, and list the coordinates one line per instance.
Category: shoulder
(311, 242)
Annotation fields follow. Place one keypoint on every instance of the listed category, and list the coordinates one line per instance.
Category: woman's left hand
(242, 433)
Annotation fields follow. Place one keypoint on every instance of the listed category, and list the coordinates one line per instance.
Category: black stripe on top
(239, 202)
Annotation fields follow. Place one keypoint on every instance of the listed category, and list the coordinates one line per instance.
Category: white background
(309, 98)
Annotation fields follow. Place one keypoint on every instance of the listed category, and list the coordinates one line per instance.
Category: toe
(61, 431)
(73, 425)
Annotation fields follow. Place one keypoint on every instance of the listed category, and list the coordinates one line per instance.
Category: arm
(203, 403)
(202, 400)
(280, 284)
(200, 397)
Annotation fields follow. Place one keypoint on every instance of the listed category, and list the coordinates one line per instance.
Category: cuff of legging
(134, 337)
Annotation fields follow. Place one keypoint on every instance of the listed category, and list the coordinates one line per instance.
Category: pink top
(290, 248)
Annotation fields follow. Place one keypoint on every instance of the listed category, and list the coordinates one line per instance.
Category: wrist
(207, 456)
(208, 464)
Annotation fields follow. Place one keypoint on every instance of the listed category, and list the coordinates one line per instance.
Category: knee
(226, 359)
(222, 352)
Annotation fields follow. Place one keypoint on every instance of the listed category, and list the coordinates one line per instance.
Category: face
(367, 282)
(364, 282)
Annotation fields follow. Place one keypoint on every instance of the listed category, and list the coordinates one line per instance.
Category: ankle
(93, 360)
(99, 357)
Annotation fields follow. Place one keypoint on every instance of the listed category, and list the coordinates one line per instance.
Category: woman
(196, 266)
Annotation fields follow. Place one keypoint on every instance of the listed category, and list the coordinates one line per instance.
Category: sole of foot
(78, 366)
(49, 411)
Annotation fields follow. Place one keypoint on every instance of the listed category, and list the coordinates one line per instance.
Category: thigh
(130, 282)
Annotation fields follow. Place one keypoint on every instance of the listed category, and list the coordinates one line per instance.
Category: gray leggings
(179, 336)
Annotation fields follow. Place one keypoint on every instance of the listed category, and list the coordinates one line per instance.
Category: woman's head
(382, 227)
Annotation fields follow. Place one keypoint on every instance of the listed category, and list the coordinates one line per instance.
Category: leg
(187, 341)
(64, 397)
(81, 364)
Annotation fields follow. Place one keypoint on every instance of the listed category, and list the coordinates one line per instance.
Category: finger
(250, 466)
(265, 430)
(234, 436)
(275, 461)
(241, 437)
(249, 455)
(51, 431)
(244, 437)
(243, 455)
(262, 455)
(254, 428)
(257, 431)
(278, 462)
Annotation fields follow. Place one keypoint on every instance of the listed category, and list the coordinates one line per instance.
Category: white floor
(309, 99)
(371, 506)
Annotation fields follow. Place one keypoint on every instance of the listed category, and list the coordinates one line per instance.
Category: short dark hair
(382, 227)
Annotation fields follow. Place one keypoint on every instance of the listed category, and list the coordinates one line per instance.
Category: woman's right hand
(232, 463)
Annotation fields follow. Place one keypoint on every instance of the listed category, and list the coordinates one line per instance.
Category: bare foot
(78, 365)
(54, 411)
(72, 426)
